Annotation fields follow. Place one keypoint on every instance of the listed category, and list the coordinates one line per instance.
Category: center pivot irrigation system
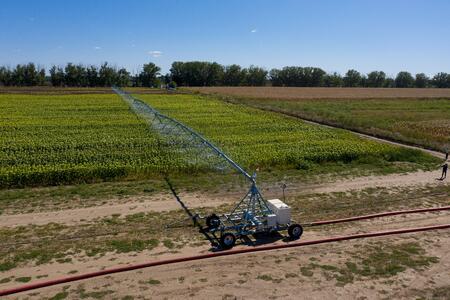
(251, 215)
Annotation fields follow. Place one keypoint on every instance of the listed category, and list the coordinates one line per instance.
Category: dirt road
(314, 272)
(165, 202)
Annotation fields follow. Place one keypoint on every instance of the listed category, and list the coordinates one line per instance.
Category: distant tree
(389, 82)
(404, 80)
(148, 76)
(333, 80)
(172, 85)
(197, 73)
(255, 76)
(107, 75)
(18, 75)
(166, 79)
(41, 78)
(352, 78)
(92, 77)
(71, 76)
(194, 73)
(212, 74)
(57, 76)
(313, 76)
(376, 79)
(233, 75)
(291, 76)
(27, 75)
(202, 73)
(161, 79)
(5, 76)
(421, 80)
(364, 81)
(275, 77)
(298, 76)
(441, 80)
(123, 77)
(82, 79)
(177, 72)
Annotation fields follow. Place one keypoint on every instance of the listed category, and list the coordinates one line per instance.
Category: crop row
(260, 139)
(73, 138)
(59, 139)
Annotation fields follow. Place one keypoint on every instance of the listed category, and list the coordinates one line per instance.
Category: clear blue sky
(389, 35)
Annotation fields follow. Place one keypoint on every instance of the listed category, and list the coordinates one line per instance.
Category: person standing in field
(444, 171)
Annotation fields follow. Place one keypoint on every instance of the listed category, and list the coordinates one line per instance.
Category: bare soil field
(51, 247)
(163, 202)
(401, 267)
(294, 93)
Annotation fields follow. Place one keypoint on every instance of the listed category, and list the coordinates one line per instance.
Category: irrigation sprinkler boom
(251, 215)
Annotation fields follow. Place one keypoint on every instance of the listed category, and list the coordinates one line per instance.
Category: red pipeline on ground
(216, 254)
(379, 215)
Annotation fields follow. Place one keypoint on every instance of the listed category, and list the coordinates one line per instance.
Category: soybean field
(56, 139)
(259, 139)
(61, 139)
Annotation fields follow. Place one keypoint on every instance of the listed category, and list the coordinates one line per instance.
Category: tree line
(200, 73)
(23, 75)
(78, 75)
(316, 77)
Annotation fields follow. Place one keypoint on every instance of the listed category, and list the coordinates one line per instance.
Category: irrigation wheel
(227, 240)
(295, 231)
(212, 221)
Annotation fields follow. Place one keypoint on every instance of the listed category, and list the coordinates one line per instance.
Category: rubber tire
(295, 231)
(212, 221)
(227, 240)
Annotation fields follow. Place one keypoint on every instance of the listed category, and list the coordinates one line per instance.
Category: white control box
(281, 210)
(272, 220)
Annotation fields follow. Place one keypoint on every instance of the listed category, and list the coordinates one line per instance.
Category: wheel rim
(228, 240)
(296, 231)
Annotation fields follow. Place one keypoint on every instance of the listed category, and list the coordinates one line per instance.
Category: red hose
(383, 214)
(216, 254)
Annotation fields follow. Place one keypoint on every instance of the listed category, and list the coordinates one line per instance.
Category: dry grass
(289, 93)
(414, 116)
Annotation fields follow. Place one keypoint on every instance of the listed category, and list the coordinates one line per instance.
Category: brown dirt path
(420, 178)
(238, 275)
(160, 203)
(87, 214)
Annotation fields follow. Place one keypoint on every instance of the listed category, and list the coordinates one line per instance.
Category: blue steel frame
(248, 216)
